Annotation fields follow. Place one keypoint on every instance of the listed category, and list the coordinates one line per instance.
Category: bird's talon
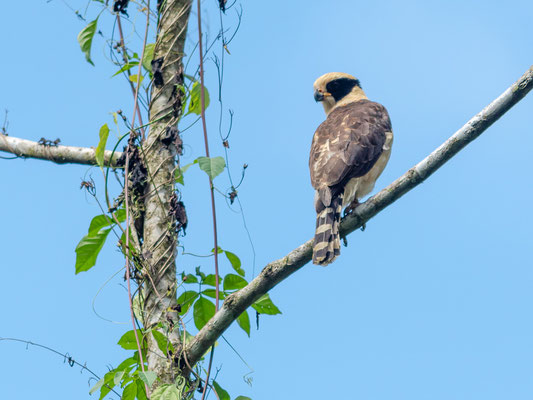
(349, 210)
(363, 227)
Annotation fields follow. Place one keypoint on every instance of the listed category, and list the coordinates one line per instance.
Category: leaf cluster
(200, 300)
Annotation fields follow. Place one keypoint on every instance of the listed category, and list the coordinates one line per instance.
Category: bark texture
(277, 271)
(58, 154)
(160, 151)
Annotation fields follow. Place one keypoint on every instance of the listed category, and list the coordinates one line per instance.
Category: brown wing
(347, 145)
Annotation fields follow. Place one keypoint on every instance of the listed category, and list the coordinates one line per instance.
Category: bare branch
(277, 271)
(58, 154)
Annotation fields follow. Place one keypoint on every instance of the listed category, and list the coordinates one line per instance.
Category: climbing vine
(124, 212)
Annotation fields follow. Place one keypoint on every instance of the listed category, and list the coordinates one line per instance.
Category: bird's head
(337, 89)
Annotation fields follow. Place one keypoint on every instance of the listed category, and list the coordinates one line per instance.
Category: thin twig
(71, 361)
(211, 187)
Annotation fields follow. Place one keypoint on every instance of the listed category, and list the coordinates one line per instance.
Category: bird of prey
(349, 152)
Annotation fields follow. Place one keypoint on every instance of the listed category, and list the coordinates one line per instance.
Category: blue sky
(433, 300)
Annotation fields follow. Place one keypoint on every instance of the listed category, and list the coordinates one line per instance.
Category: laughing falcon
(349, 151)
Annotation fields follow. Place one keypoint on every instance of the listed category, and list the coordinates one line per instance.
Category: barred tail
(327, 245)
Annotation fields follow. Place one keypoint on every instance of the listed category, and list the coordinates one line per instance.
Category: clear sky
(432, 301)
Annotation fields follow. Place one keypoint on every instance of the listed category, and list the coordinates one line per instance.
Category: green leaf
(221, 393)
(235, 262)
(128, 342)
(97, 386)
(212, 293)
(148, 377)
(118, 377)
(85, 39)
(127, 378)
(162, 342)
(189, 278)
(180, 172)
(265, 306)
(90, 245)
(211, 166)
(88, 249)
(203, 312)
(244, 322)
(210, 280)
(121, 215)
(126, 67)
(136, 357)
(133, 78)
(137, 305)
(242, 398)
(100, 149)
(104, 391)
(186, 299)
(148, 56)
(130, 392)
(195, 105)
(232, 281)
(141, 390)
(166, 392)
(108, 384)
(99, 222)
(128, 362)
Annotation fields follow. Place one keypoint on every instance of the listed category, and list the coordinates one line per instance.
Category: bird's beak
(319, 96)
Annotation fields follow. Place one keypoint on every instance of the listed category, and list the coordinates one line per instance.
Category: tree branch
(277, 271)
(58, 154)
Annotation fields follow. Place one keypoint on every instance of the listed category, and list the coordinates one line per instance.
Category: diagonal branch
(58, 154)
(277, 271)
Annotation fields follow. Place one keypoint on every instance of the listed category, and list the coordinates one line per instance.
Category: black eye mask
(339, 88)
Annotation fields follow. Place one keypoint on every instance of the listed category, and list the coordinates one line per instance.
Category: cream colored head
(336, 89)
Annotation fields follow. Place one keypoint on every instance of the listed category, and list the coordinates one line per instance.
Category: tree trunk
(160, 151)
